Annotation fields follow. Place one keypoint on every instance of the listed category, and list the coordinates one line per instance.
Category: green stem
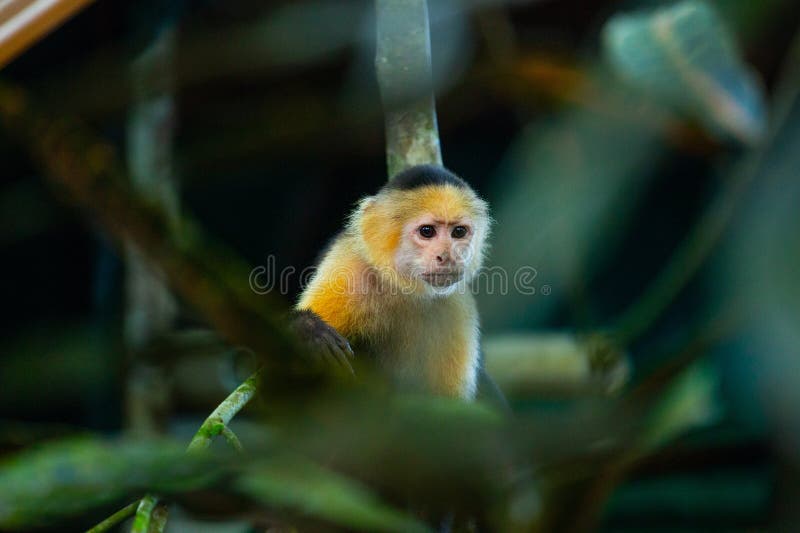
(232, 439)
(144, 514)
(121, 515)
(149, 517)
(218, 420)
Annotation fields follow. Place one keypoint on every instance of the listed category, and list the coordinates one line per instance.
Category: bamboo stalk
(24, 22)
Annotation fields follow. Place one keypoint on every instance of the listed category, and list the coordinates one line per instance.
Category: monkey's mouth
(442, 278)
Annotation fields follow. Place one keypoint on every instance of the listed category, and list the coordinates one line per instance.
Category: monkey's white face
(441, 253)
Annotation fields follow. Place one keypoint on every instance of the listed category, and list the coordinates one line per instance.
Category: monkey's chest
(434, 350)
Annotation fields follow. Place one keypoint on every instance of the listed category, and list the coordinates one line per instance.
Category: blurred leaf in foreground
(403, 449)
(691, 401)
(684, 55)
(297, 484)
(69, 477)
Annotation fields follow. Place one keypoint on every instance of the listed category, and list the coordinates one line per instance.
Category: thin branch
(403, 64)
(232, 439)
(216, 424)
(149, 516)
(120, 516)
(144, 514)
(151, 308)
(218, 420)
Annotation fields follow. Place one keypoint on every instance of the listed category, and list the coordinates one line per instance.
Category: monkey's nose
(443, 257)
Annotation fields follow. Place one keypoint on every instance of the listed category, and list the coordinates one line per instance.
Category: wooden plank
(24, 22)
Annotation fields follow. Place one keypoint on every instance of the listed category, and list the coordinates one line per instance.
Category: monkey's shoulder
(335, 290)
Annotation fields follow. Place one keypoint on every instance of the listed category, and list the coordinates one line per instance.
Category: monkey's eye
(459, 232)
(427, 231)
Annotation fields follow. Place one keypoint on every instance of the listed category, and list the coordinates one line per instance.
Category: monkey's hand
(323, 341)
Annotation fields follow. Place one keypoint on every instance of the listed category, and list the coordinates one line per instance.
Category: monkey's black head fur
(422, 175)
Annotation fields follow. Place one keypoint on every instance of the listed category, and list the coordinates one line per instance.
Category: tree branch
(217, 422)
(144, 514)
(121, 515)
(150, 307)
(403, 64)
(149, 517)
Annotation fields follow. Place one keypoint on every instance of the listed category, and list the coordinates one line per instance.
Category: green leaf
(682, 54)
(302, 486)
(69, 477)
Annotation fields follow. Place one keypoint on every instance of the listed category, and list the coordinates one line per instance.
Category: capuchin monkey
(394, 285)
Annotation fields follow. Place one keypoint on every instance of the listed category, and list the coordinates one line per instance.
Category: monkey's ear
(364, 209)
(365, 212)
(378, 229)
(366, 204)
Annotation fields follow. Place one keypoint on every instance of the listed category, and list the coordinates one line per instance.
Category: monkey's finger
(339, 343)
(342, 359)
(345, 347)
(345, 362)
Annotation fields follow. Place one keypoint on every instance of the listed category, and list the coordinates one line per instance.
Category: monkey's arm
(327, 310)
(333, 294)
(321, 338)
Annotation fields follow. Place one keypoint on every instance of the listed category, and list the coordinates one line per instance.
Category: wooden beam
(24, 22)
